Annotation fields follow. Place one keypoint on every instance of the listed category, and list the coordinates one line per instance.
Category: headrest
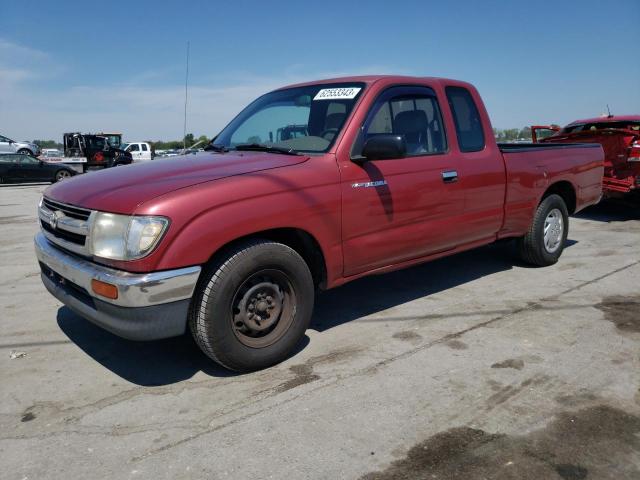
(334, 120)
(411, 121)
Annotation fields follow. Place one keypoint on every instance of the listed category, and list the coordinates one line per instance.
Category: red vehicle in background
(620, 140)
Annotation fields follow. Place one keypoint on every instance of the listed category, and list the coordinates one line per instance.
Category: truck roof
(612, 118)
(370, 79)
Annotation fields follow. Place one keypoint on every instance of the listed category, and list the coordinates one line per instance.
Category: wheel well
(565, 190)
(299, 240)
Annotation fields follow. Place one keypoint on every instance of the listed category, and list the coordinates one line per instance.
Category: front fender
(208, 216)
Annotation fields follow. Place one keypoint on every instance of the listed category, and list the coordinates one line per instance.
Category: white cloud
(28, 111)
(138, 112)
(10, 51)
(19, 63)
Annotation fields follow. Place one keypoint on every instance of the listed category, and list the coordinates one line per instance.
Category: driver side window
(414, 116)
(27, 160)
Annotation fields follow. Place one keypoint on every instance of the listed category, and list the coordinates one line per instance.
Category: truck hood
(122, 189)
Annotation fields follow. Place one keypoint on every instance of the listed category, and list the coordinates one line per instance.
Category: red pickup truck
(620, 138)
(311, 186)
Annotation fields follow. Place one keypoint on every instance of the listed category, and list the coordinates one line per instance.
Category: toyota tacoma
(310, 186)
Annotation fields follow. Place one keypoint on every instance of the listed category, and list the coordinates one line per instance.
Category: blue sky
(73, 66)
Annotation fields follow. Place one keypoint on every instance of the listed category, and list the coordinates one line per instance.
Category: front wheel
(544, 242)
(252, 307)
(25, 151)
(62, 175)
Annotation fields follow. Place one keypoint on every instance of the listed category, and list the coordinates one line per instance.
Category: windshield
(301, 119)
(114, 140)
(97, 142)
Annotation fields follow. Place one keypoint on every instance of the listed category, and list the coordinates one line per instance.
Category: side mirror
(384, 147)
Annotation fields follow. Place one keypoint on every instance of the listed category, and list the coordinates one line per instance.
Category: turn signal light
(104, 289)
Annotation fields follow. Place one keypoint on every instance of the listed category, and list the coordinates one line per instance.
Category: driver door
(134, 149)
(31, 169)
(395, 210)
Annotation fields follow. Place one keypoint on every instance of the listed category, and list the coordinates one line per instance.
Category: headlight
(124, 237)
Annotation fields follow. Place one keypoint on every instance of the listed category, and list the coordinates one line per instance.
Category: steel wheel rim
(263, 308)
(553, 230)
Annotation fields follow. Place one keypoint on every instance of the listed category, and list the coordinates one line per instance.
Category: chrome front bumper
(149, 305)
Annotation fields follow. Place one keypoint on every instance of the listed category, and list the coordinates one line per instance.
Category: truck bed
(531, 168)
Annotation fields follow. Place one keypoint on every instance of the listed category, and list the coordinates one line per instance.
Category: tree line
(513, 134)
(502, 135)
(189, 140)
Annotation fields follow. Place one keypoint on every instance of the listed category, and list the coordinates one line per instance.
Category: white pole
(186, 85)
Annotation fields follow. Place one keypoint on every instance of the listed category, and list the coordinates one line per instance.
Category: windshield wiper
(212, 147)
(261, 147)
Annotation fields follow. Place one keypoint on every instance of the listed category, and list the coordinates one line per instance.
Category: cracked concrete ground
(474, 366)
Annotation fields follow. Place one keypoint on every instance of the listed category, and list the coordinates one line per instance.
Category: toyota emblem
(54, 217)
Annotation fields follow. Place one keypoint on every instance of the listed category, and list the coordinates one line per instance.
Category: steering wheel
(329, 131)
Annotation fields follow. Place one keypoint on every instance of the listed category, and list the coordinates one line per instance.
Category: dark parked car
(16, 167)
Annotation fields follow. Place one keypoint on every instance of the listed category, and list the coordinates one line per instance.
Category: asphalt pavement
(474, 366)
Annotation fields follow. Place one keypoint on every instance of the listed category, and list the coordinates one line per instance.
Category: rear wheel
(544, 242)
(25, 151)
(253, 306)
(62, 175)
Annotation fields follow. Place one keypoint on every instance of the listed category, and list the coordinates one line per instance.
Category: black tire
(533, 248)
(268, 276)
(25, 151)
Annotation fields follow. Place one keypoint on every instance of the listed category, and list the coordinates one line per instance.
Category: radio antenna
(608, 112)
(186, 87)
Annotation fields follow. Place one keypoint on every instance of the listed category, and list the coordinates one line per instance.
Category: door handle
(449, 176)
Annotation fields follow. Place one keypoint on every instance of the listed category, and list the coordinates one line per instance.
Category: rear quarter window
(466, 118)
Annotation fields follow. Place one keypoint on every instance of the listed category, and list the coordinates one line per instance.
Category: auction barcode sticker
(337, 93)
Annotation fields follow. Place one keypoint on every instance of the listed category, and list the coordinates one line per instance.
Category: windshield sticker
(337, 93)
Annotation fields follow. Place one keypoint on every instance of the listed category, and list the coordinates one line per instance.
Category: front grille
(68, 210)
(63, 234)
(67, 226)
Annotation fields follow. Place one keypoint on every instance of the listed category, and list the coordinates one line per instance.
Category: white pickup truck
(140, 151)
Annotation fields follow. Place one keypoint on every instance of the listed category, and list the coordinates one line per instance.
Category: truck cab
(140, 151)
